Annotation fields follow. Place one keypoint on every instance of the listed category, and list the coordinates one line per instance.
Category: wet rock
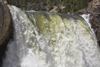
(94, 9)
(6, 29)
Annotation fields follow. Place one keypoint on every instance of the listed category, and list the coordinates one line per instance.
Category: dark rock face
(94, 9)
(6, 29)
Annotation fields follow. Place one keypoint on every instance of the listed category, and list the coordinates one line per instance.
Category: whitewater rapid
(43, 39)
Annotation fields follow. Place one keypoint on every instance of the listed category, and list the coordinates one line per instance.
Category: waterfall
(43, 39)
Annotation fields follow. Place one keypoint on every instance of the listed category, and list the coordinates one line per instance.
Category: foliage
(70, 5)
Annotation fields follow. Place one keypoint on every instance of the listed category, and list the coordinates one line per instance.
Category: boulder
(6, 29)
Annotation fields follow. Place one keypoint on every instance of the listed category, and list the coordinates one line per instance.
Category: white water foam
(62, 42)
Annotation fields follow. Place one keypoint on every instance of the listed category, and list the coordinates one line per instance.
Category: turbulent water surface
(43, 39)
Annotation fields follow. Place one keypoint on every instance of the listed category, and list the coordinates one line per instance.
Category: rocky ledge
(6, 29)
(94, 9)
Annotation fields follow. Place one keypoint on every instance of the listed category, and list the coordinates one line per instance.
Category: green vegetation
(74, 5)
(42, 5)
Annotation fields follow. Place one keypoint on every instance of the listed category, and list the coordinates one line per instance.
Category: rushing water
(43, 39)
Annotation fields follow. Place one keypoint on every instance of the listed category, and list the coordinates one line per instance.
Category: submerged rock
(6, 29)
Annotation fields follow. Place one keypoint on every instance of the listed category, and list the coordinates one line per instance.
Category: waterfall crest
(43, 39)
